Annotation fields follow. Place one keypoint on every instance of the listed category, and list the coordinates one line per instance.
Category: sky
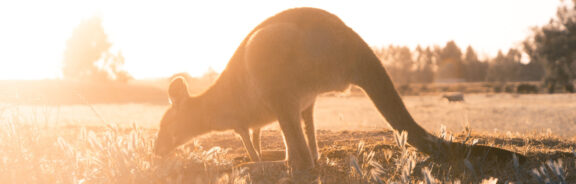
(161, 37)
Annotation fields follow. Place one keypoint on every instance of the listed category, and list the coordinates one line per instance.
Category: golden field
(112, 143)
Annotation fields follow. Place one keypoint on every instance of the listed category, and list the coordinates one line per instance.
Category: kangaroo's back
(303, 49)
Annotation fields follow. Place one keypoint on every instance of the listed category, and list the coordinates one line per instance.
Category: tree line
(449, 64)
(550, 51)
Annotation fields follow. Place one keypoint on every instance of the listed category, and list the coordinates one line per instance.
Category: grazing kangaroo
(454, 97)
(276, 74)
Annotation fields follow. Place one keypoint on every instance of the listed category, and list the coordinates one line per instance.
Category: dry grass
(109, 155)
(30, 154)
(484, 112)
(35, 150)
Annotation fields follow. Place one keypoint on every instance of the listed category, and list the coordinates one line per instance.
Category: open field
(485, 112)
(113, 143)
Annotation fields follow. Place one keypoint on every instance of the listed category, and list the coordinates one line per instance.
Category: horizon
(158, 40)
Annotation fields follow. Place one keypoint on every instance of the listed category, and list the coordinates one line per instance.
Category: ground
(113, 143)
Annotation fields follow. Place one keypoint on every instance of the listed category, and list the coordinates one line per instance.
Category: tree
(399, 63)
(532, 71)
(474, 69)
(505, 68)
(554, 45)
(87, 55)
(425, 69)
(450, 63)
(389, 57)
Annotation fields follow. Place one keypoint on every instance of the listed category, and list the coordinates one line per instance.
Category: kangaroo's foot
(305, 176)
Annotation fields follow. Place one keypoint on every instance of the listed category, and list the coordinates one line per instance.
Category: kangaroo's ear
(178, 90)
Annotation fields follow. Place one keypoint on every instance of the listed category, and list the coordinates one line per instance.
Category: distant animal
(526, 89)
(277, 73)
(454, 97)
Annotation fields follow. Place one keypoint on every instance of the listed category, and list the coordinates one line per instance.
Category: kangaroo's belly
(257, 112)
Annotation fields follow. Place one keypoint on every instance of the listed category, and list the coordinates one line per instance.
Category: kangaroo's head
(182, 121)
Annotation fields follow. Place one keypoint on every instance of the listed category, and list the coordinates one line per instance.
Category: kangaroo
(275, 75)
(454, 97)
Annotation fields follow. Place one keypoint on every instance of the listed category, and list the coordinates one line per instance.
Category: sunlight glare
(160, 38)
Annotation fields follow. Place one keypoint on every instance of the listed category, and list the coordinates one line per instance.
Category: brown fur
(276, 74)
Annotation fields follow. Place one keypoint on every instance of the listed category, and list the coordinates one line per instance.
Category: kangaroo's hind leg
(298, 152)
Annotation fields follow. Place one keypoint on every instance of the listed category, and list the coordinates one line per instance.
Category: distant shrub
(526, 88)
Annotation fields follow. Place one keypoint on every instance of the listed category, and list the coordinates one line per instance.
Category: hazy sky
(160, 37)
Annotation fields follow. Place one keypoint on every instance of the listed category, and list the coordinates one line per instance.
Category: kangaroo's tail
(374, 80)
